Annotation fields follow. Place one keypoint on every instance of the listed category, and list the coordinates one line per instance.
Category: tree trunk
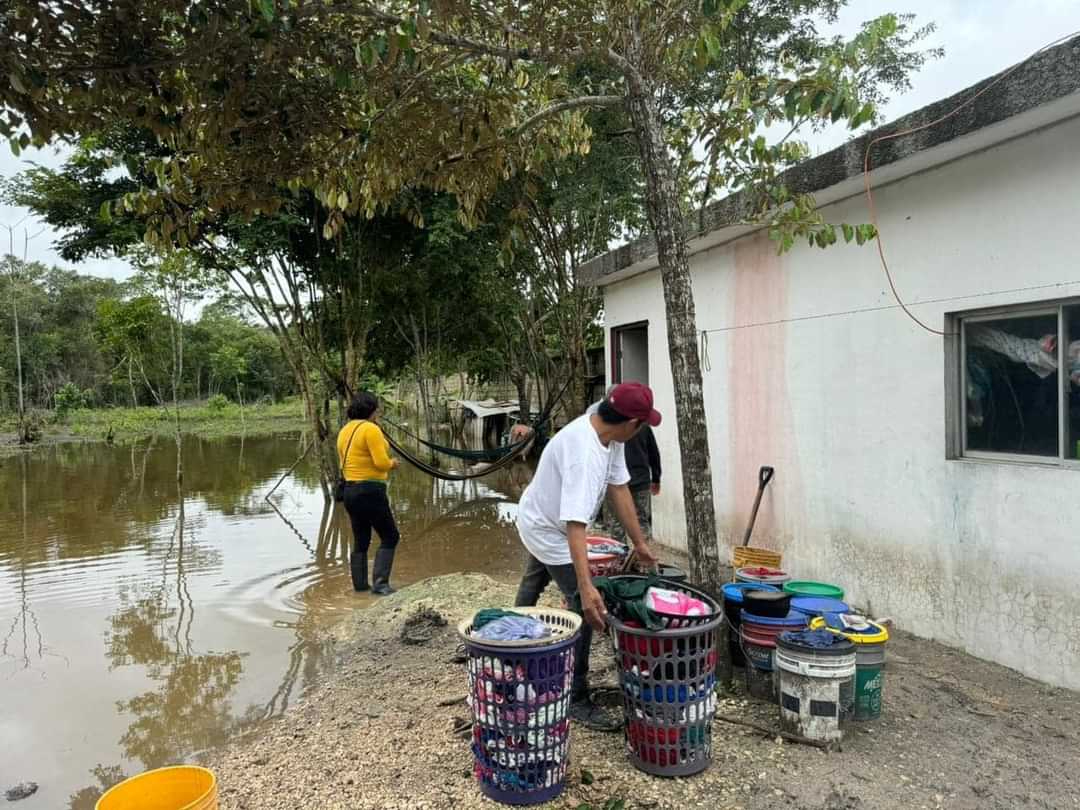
(240, 399)
(662, 207)
(18, 350)
(131, 384)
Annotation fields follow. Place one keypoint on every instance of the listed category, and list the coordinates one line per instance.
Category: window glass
(1072, 385)
(1013, 389)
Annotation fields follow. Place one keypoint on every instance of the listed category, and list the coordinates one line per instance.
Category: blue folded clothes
(513, 628)
(608, 548)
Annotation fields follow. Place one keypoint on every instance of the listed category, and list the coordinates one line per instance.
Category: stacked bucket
(519, 692)
(668, 679)
(818, 678)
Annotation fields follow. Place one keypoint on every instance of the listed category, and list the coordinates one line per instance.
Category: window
(1019, 392)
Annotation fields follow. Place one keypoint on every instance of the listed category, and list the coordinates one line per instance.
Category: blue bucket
(819, 605)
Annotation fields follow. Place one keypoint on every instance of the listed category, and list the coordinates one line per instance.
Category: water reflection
(140, 624)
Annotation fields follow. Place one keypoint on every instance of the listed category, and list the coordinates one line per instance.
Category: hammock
(474, 456)
(435, 472)
(500, 457)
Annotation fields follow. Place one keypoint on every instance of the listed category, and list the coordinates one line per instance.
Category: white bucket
(814, 691)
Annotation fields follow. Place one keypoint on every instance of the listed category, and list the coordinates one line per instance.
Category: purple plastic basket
(520, 699)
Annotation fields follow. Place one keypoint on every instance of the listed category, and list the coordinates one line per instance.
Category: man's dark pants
(537, 576)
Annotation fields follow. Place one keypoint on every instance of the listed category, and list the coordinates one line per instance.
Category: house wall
(818, 374)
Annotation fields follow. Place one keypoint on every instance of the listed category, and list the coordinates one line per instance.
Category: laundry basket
(519, 692)
(668, 681)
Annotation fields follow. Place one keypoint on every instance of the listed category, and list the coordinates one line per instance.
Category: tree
(178, 283)
(228, 364)
(359, 100)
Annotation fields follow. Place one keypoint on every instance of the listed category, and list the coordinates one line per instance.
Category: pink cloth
(675, 603)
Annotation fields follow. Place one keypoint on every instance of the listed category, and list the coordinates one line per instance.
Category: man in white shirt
(581, 465)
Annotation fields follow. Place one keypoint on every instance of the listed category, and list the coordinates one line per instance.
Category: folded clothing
(848, 623)
(611, 547)
(675, 603)
(512, 628)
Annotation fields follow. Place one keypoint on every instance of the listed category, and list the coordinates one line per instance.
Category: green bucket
(808, 588)
(869, 681)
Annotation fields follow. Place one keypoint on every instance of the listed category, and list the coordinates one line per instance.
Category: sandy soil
(957, 733)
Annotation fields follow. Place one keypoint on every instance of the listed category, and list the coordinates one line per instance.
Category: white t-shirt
(569, 485)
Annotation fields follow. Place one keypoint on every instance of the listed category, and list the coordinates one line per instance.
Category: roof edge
(1048, 77)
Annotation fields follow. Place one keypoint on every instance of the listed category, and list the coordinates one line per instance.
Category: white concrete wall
(848, 405)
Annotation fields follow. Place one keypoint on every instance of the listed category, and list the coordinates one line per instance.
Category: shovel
(765, 475)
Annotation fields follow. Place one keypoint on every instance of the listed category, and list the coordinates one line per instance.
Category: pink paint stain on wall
(762, 428)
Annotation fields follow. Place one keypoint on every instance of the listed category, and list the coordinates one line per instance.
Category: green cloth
(488, 615)
(625, 599)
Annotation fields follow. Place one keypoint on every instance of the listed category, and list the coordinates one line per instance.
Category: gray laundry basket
(668, 681)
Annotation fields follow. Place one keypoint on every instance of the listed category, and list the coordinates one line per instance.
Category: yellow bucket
(750, 557)
(182, 787)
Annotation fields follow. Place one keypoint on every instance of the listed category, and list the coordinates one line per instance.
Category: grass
(200, 419)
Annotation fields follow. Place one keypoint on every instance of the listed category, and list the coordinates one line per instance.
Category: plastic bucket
(817, 672)
(762, 574)
(869, 668)
(602, 564)
(815, 606)
(744, 556)
(181, 787)
(519, 693)
(810, 588)
(733, 603)
(671, 572)
(758, 635)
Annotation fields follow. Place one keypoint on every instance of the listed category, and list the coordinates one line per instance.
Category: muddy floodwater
(141, 623)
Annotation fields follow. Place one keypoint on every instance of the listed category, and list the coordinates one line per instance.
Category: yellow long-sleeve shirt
(369, 453)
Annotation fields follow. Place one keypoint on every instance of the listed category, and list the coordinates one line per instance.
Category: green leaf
(849, 232)
(586, 777)
(105, 212)
(712, 45)
(16, 82)
(267, 9)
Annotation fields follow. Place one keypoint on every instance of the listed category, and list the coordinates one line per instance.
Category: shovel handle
(765, 475)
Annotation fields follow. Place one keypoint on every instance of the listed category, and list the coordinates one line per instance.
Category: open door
(630, 353)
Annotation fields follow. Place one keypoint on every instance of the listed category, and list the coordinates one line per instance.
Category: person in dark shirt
(643, 461)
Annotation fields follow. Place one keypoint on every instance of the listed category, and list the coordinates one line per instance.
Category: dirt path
(957, 733)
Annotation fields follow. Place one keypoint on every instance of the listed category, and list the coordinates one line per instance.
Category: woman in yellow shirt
(364, 455)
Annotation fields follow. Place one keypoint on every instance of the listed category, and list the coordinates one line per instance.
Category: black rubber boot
(358, 564)
(384, 561)
(585, 711)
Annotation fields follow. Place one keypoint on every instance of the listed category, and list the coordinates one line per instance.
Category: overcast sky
(980, 37)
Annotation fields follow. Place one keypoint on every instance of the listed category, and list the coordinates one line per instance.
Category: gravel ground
(957, 733)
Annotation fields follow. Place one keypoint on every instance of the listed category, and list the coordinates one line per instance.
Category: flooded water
(140, 624)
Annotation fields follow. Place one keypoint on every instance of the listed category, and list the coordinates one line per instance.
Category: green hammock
(490, 454)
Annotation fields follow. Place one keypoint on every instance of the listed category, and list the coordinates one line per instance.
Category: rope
(902, 133)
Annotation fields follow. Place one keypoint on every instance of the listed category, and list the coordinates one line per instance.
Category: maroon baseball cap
(634, 401)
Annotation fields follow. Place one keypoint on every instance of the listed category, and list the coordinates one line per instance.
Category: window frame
(956, 377)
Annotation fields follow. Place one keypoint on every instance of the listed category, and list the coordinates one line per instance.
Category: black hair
(363, 405)
(610, 416)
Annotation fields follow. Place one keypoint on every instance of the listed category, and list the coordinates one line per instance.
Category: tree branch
(563, 106)
(543, 115)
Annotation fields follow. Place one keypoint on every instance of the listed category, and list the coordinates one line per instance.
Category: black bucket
(672, 573)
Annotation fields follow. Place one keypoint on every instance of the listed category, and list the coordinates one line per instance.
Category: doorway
(630, 353)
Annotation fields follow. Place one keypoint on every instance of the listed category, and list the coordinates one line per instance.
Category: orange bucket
(181, 787)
